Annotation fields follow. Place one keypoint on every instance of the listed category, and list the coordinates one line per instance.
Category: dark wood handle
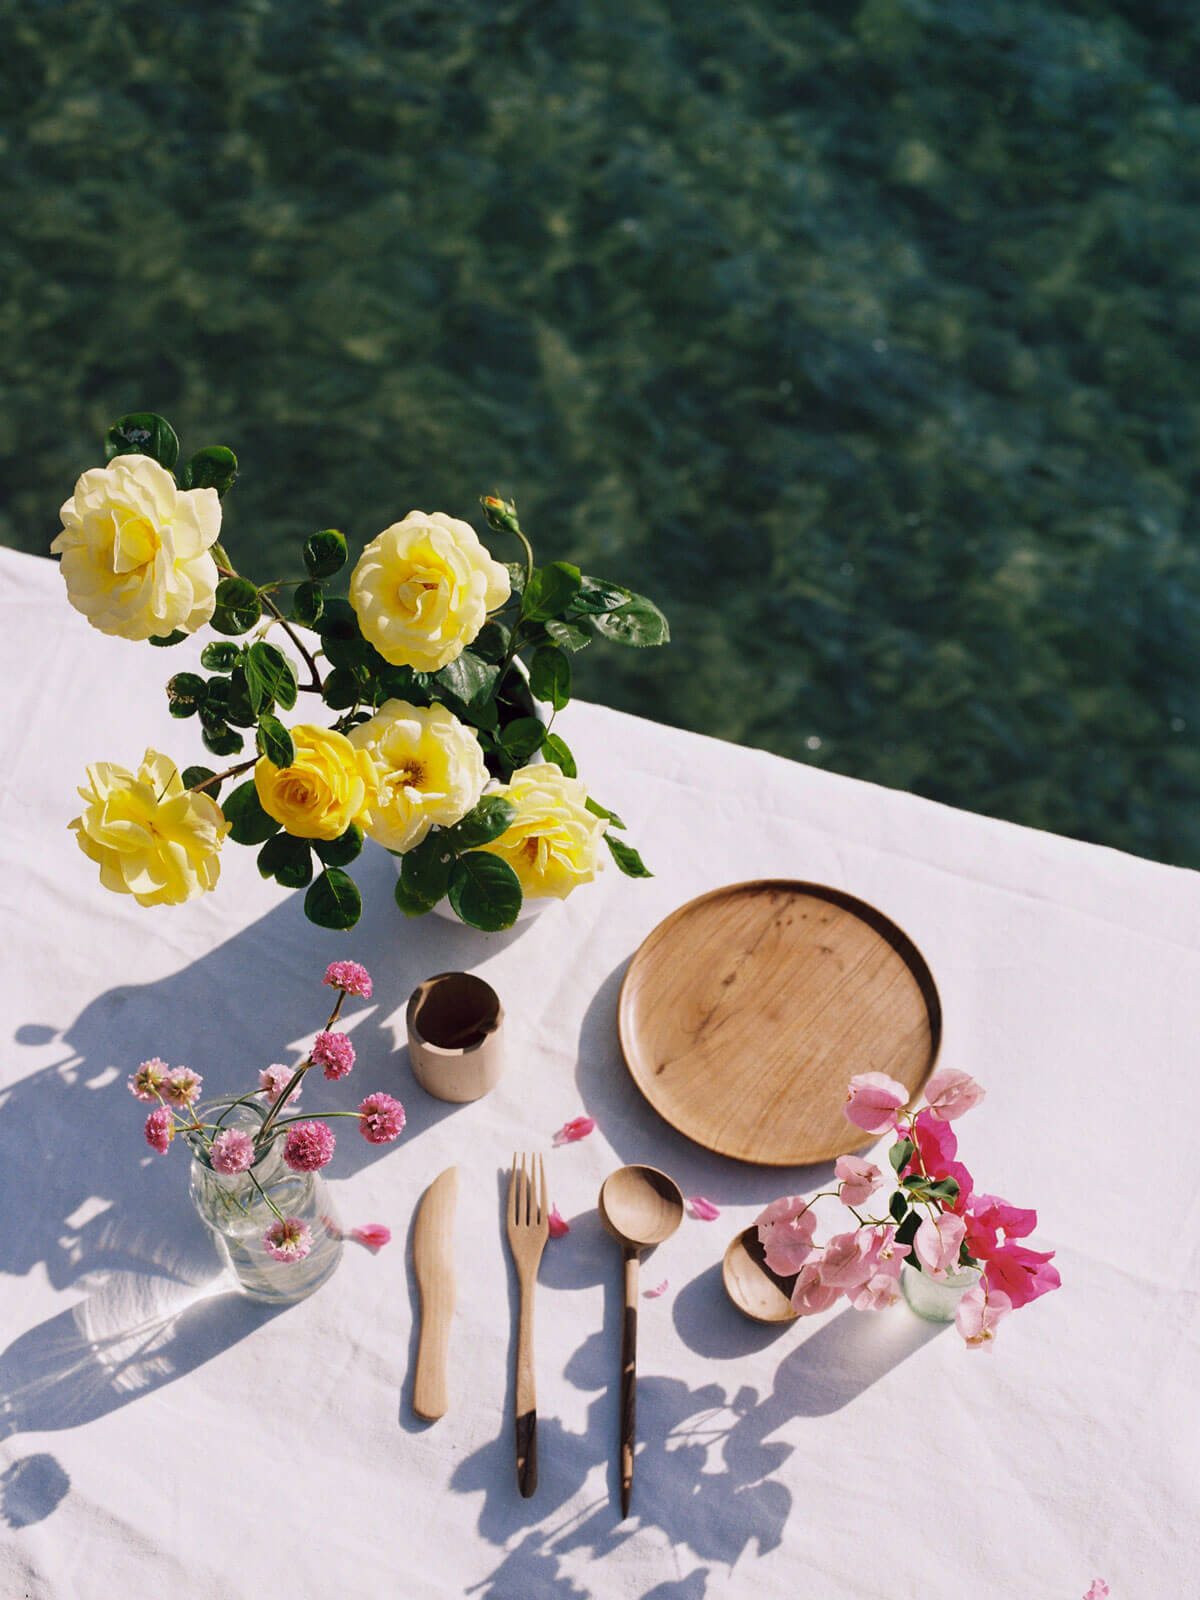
(526, 1404)
(527, 1471)
(629, 1378)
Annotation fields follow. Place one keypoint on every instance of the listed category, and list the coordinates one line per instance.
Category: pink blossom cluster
(308, 1146)
(334, 1052)
(382, 1118)
(935, 1219)
(155, 1081)
(350, 977)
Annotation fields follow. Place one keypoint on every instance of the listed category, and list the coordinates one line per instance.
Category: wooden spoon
(640, 1207)
(749, 1282)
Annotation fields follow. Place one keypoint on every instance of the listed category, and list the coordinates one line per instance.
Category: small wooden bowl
(755, 1290)
(455, 1036)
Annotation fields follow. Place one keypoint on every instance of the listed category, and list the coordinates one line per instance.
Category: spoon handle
(629, 1377)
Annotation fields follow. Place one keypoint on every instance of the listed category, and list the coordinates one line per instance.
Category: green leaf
(238, 606)
(185, 694)
(220, 656)
(340, 852)
(522, 737)
(484, 891)
(222, 741)
(214, 467)
(901, 1154)
(492, 816)
(556, 749)
(165, 640)
(516, 575)
(275, 742)
(569, 635)
(897, 1207)
(491, 642)
(191, 776)
(342, 639)
(402, 683)
(917, 1185)
(270, 676)
(287, 860)
(598, 810)
(248, 822)
(944, 1189)
(143, 433)
(469, 678)
(239, 708)
(639, 622)
(334, 900)
(343, 688)
(550, 676)
(904, 1235)
(412, 905)
(627, 858)
(595, 597)
(325, 553)
(550, 591)
(425, 869)
(307, 604)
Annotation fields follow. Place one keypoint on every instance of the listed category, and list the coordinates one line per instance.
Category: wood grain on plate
(744, 1014)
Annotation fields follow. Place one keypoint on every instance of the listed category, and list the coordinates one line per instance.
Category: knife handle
(430, 1397)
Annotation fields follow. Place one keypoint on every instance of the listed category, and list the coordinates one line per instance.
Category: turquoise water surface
(861, 336)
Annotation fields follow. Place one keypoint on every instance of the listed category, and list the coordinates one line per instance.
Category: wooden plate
(746, 1012)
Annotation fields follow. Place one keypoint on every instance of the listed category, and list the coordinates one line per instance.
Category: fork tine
(543, 1208)
(512, 1191)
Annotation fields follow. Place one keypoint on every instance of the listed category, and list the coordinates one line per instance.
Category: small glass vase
(238, 1215)
(936, 1299)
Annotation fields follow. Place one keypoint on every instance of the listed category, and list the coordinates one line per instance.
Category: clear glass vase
(936, 1299)
(235, 1209)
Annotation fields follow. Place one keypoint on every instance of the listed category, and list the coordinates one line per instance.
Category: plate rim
(853, 903)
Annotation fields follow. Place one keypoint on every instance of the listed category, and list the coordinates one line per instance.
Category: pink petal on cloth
(703, 1210)
(659, 1288)
(1098, 1591)
(577, 1128)
(372, 1234)
(557, 1223)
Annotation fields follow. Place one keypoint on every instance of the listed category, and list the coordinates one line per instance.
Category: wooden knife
(433, 1258)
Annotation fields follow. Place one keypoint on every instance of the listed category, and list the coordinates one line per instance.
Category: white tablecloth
(160, 1435)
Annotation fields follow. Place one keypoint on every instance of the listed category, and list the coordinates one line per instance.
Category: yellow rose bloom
(135, 549)
(553, 843)
(422, 590)
(328, 786)
(151, 837)
(428, 769)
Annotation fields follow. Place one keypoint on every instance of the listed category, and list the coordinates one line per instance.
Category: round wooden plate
(746, 1012)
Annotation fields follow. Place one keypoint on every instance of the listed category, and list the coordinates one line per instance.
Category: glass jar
(936, 1299)
(235, 1209)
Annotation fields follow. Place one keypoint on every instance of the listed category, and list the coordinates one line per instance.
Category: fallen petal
(659, 1288)
(577, 1128)
(703, 1210)
(558, 1224)
(1098, 1590)
(372, 1234)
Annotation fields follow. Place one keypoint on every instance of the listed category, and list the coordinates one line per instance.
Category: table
(161, 1435)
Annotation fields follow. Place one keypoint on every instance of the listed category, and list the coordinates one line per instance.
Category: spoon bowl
(640, 1206)
(757, 1292)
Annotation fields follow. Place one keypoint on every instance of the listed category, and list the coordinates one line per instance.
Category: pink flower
(160, 1130)
(334, 1052)
(348, 975)
(659, 1288)
(979, 1311)
(558, 1223)
(308, 1146)
(810, 1295)
(372, 1234)
(845, 1263)
(859, 1178)
(949, 1093)
(382, 1118)
(181, 1086)
(273, 1080)
(785, 1231)
(872, 1100)
(938, 1146)
(1019, 1273)
(289, 1240)
(988, 1217)
(577, 1128)
(232, 1151)
(880, 1291)
(146, 1083)
(936, 1242)
(703, 1210)
(1098, 1591)
(880, 1285)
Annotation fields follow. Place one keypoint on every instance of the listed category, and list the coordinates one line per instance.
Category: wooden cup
(456, 1036)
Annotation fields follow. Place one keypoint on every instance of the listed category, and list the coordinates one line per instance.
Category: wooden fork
(528, 1230)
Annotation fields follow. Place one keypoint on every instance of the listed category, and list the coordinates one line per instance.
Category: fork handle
(526, 1408)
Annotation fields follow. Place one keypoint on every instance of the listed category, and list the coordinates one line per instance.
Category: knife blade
(433, 1260)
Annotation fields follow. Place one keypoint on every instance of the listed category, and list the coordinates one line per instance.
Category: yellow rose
(423, 588)
(135, 549)
(151, 837)
(428, 767)
(328, 786)
(553, 844)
